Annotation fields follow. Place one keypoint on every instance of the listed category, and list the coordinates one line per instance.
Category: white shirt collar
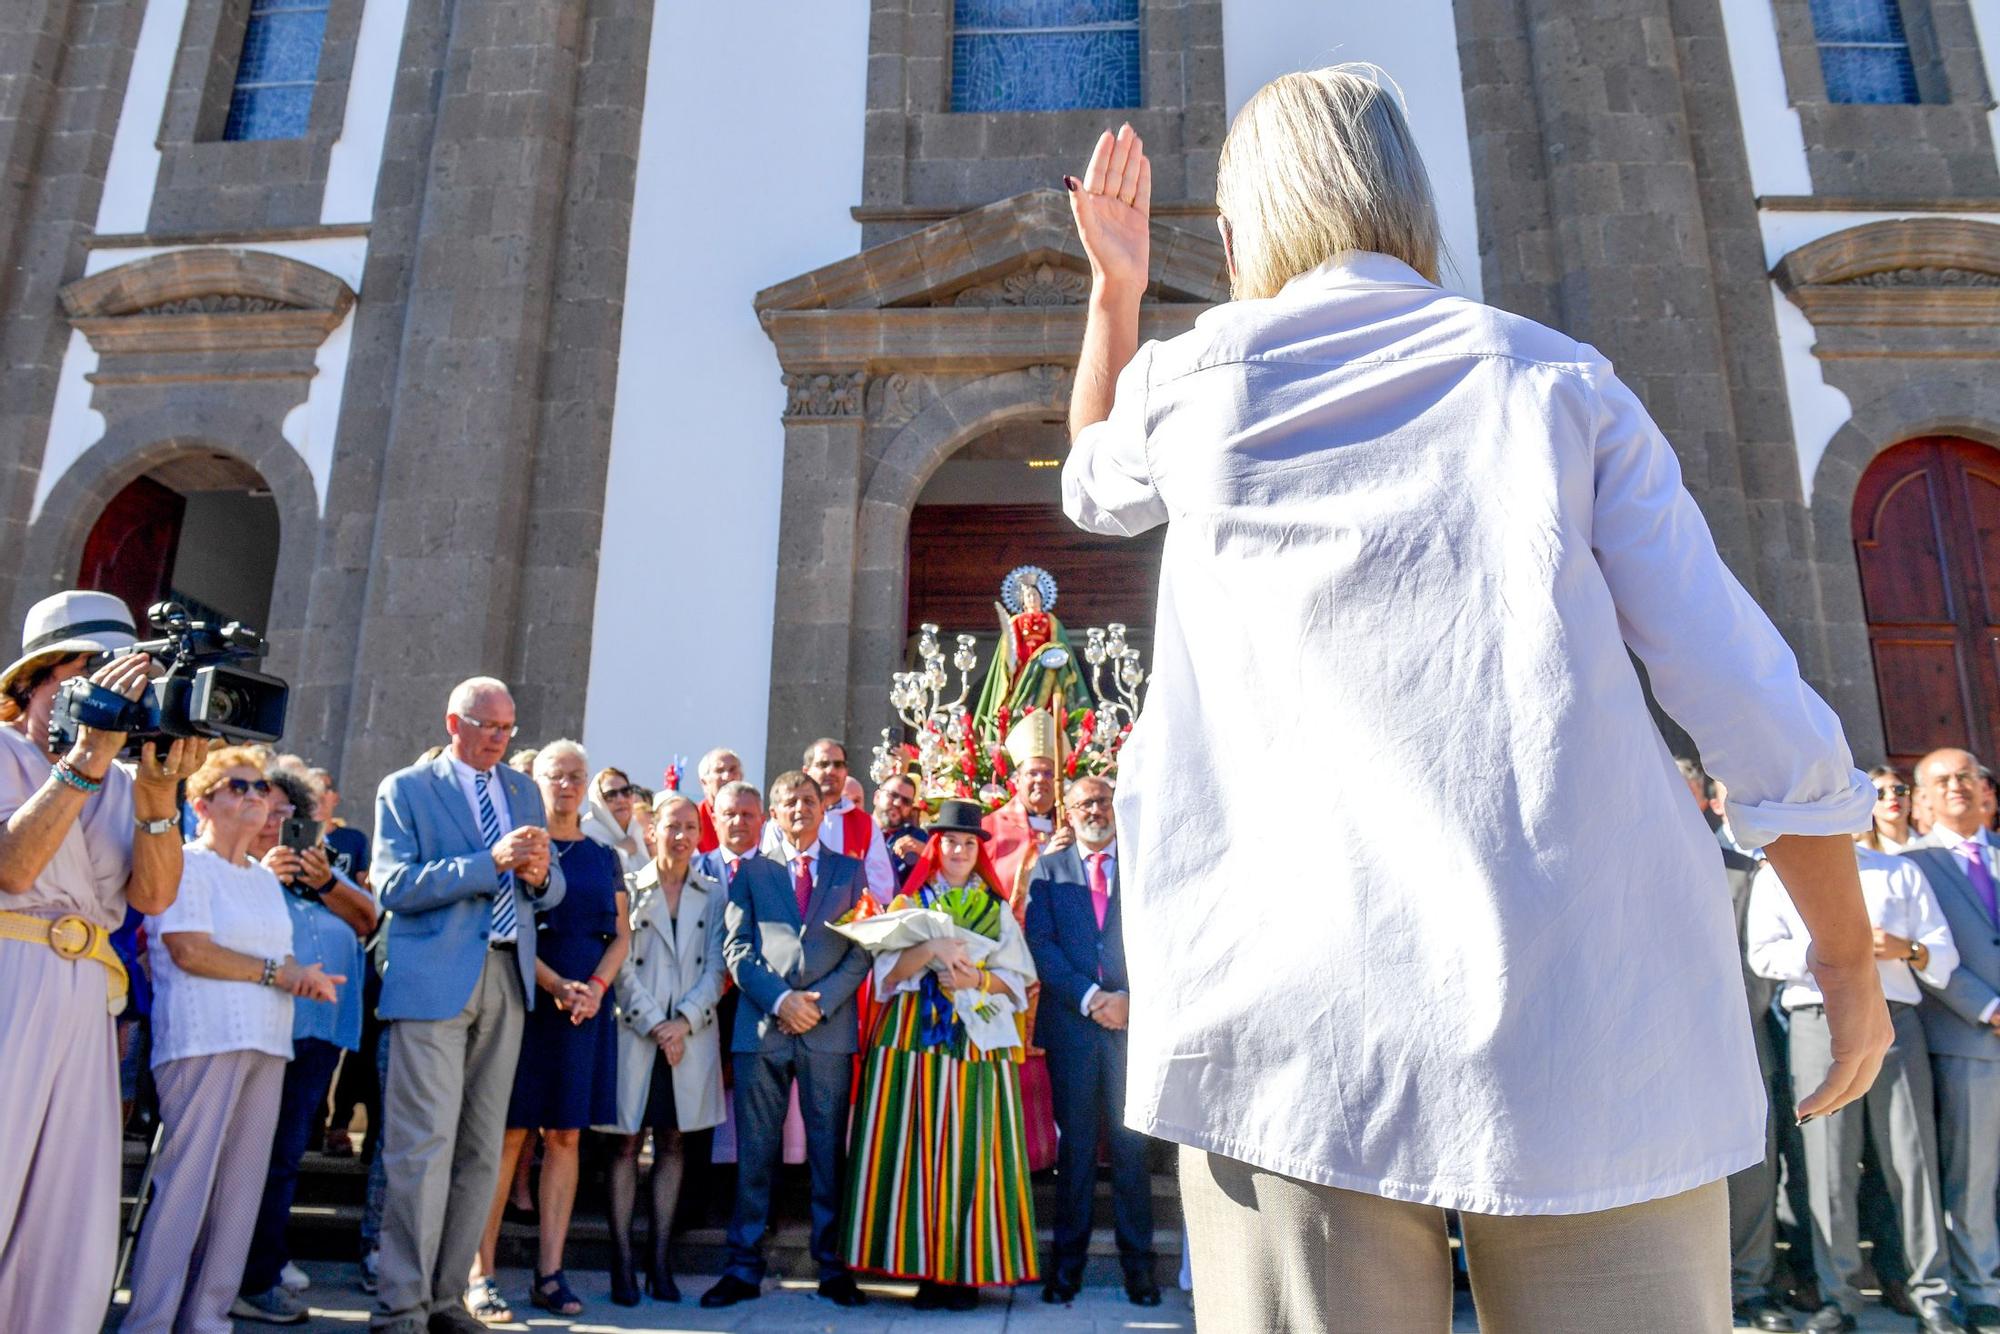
(1110, 851)
(1957, 844)
(466, 773)
(791, 854)
(1358, 268)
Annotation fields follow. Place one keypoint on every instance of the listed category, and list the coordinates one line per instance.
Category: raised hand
(1113, 206)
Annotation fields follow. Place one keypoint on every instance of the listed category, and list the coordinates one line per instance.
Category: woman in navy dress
(567, 1079)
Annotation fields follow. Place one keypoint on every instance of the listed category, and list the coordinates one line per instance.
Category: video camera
(203, 692)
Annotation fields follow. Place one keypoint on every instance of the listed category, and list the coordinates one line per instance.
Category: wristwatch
(166, 826)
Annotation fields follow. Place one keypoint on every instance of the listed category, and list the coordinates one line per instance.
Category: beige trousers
(1273, 1253)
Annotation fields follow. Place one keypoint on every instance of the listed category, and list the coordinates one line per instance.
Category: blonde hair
(1320, 162)
(215, 768)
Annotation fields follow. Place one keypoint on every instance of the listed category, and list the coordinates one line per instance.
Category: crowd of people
(1914, 1166)
(526, 950)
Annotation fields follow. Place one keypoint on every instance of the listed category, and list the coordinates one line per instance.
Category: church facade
(676, 363)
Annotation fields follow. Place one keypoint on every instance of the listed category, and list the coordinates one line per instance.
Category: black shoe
(1058, 1293)
(930, 1297)
(1939, 1320)
(454, 1320)
(1983, 1319)
(1896, 1296)
(729, 1290)
(1830, 1319)
(624, 1286)
(1765, 1314)
(840, 1290)
(961, 1297)
(1141, 1290)
(660, 1283)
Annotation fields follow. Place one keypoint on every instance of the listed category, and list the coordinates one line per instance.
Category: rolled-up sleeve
(1924, 922)
(1107, 482)
(1716, 663)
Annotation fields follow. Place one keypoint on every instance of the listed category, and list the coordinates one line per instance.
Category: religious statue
(1034, 660)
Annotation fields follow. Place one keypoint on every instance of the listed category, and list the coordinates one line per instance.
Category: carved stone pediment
(1893, 287)
(206, 301)
(1042, 284)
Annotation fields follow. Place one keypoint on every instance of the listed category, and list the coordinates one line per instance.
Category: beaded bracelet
(70, 778)
(270, 977)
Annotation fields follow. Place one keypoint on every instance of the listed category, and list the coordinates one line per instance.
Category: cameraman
(82, 839)
(330, 916)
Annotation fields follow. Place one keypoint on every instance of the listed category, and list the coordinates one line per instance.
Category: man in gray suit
(462, 859)
(1962, 1023)
(797, 1021)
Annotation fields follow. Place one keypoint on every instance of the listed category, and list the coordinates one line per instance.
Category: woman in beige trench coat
(669, 1055)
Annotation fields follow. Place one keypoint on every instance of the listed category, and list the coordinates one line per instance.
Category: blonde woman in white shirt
(1420, 534)
(223, 985)
(1912, 941)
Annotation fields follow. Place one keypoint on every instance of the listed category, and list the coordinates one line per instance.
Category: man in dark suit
(1962, 1024)
(798, 978)
(1074, 933)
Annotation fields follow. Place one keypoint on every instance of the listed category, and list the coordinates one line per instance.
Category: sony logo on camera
(203, 692)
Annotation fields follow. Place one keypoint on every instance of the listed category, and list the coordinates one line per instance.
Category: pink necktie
(802, 882)
(735, 865)
(1100, 887)
(1982, 879)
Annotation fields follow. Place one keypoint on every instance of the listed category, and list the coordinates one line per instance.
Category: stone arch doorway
(200, 529)
(1926, 528)
(996, 504)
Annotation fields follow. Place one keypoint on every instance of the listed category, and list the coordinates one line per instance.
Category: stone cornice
(961, 339)
(1901, 287)
(220, 300)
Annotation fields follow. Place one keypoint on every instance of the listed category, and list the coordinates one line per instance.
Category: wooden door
(1927, 540)
(131, 548)
(960, 554)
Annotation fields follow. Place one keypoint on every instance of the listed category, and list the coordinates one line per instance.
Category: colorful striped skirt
(938, 1183)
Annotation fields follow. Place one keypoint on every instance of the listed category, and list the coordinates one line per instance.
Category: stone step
(326, 1219)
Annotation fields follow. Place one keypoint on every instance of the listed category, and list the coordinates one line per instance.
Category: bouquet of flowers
(971, 916)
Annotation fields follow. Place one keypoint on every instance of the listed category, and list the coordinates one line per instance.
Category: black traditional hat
(957, 817)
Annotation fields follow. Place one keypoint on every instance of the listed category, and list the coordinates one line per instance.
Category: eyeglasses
(1092, 803)
(1964, 778)
(491, 729)
(613, 793)
(1891, 790)
(567, 780)
(243, 786)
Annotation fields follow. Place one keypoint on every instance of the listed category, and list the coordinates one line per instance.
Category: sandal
(487, 1306)
(552, 1293)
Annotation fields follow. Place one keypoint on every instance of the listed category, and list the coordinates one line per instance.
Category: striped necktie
(489, 829)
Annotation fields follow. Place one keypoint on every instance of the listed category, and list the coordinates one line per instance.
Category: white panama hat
(69, 623)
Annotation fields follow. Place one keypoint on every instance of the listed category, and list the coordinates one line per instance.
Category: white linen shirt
(1900, 901)
(1409, 541)
(240, 908)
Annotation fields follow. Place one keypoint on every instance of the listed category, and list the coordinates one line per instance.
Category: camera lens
(227, 706)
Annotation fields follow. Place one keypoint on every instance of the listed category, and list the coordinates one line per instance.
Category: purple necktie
(1982, 879)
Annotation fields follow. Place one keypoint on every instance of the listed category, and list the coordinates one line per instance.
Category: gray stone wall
(924, 162)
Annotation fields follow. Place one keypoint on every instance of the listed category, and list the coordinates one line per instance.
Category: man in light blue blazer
(462, 862)
(1962, 1025)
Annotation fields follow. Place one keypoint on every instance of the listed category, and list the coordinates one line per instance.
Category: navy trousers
(302, 1100)
(1088, 1080)
(762, 1097)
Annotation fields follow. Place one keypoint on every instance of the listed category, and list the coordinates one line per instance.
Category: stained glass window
(1863, 52)
(275, 75)
(1044, 55)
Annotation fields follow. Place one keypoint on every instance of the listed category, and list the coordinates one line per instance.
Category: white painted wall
(135, 153)
(749, 160)
(74, 426)
(1772, 134)
(1416, 41)
(357, 155)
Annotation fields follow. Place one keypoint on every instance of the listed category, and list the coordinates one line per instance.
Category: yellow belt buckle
(71, 937)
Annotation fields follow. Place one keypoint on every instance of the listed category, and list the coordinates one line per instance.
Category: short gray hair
(560, 747)
(467, 692)
(709, 760)
(730, 793)
(1317, 163)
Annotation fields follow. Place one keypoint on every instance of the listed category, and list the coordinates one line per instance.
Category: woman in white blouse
(223, 983)
(1410, 540)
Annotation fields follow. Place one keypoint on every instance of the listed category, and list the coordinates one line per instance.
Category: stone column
(63, 66)
(457, 491)
(814, 607)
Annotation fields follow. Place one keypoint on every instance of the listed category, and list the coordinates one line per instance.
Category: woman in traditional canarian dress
(939, 1188)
